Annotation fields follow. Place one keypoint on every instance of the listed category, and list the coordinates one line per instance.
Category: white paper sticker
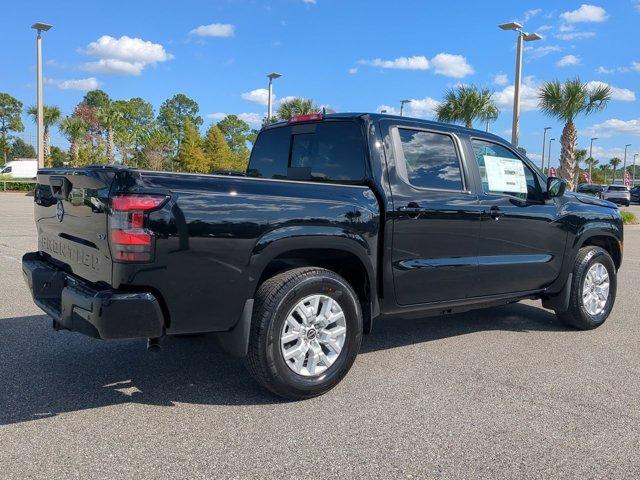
(505, 174)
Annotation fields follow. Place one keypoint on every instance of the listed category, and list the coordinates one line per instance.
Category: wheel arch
(346, 253)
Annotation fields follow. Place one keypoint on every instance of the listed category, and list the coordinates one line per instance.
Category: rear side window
(325, 151)
(430, 160)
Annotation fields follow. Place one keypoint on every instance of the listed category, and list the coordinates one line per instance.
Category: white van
(20, 168)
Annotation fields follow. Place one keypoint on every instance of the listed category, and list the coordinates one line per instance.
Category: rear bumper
(77, 306)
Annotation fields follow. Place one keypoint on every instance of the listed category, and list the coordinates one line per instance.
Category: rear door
(436, 218)
(71, 214)
(521, 243)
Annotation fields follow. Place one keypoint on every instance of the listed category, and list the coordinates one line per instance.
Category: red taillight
(311, 117)
(126, 203)
(130, 240)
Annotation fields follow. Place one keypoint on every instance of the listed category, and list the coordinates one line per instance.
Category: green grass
(628, 217)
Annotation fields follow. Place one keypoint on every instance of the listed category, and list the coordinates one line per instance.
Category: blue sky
(351, 55)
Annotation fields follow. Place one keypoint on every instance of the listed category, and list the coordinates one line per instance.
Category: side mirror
(555, 187)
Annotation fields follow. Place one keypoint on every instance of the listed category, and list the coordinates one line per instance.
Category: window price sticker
(505, 174)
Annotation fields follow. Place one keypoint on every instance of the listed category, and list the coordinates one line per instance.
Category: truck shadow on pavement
(45, 373)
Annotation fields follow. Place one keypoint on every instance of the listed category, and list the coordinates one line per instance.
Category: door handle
(412, 209)
(496, 213)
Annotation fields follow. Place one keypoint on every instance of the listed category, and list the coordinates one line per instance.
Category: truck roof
(380, 116)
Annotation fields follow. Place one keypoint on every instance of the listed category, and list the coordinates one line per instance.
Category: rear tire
(277, 300)
(593, 290)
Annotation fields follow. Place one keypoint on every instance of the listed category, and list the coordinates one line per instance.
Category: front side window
(430, 160)
(503, 173)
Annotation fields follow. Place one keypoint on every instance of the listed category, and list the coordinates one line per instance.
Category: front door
(521, 244)
(436, 219)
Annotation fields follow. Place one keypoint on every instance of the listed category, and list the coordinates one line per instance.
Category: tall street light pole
(633, 178)
(522, 37)
(544, 145)
(591, 154)
(624, 165)
(402, 104)
(272, 76)
(549, 159)
(40, 27)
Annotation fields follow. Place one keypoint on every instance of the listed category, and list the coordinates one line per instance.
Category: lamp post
(544, 144)
(522, 37)
(591, 154)
(402, 103)
(624, 165)
(633, 178)
(549, 160)
(40, 27)
(272, 76)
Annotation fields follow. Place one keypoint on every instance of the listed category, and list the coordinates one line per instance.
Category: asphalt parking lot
(506, 392)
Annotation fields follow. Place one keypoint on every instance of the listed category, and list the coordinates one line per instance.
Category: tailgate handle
(60, 187)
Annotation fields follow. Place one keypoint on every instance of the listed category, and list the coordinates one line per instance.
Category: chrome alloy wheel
(313, 335)
(595, 289)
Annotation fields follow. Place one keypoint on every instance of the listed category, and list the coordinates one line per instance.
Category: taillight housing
(131, 241)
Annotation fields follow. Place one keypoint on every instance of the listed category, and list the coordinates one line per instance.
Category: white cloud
(529, 14)
(288, 98)
(83, 84)
(528, 95)
(500, 79)
(539, 52)
(419, 108)
(620, 94)
(249, 117)
(637, 5)
(423, 107)
(449, 65)
(310, 2)
(114, 66)
(418, 62)
(544, 28)
(635, 66)
(568, 61)
(586, 13)
(605, 70)
(387, 109)
(259, 96)
(124, 55)
(353, 71)
(575, 35)
(214, 30)
(615, 126)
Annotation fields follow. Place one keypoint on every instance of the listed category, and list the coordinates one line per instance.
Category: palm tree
(296, 106)
(581, 155)
(75, 129)
(108, 117)
(50, 116)
(614, 162)
(467, 103)
(565, 101)
(591, 163)
(604, 168)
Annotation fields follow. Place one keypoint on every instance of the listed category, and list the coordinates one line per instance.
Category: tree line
(103, 130)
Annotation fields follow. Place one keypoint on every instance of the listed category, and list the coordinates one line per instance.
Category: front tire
(593, 290)
(305, 333)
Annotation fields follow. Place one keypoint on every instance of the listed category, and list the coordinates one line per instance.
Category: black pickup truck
(339, 220)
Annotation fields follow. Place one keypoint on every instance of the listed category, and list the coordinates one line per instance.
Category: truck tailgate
(71, 214)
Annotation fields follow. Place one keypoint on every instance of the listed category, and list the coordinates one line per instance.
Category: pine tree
(219, 154)
(191, 157)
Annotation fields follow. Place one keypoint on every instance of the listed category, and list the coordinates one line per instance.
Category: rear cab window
(326, 151)
(429, 160)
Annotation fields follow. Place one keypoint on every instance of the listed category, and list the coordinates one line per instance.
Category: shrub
(628, 217)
